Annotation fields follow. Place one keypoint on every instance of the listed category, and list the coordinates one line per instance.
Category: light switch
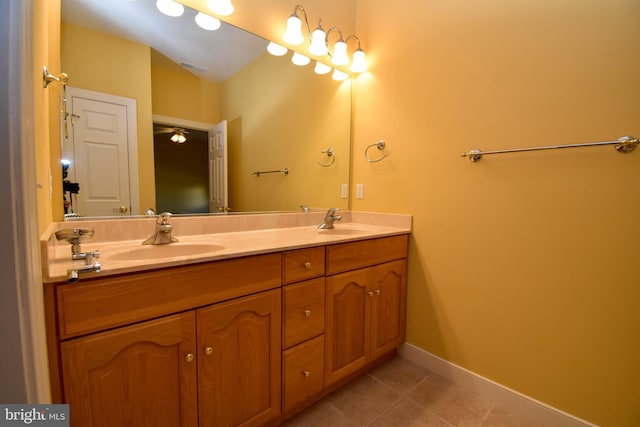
(359, 191)
(344, 191)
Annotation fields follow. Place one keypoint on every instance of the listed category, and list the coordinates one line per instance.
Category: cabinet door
(347, 320)
(239, 361)
(140, 375)
(388, 307)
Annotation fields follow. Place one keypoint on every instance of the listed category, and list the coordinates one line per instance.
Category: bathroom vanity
(249, 331)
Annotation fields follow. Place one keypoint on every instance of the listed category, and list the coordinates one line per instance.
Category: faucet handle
(332, 211)
(165, 217)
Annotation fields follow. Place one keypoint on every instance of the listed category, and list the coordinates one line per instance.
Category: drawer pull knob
(307, 312)
(306, 373)
(307, 265)
(189, 357)
(208, 351)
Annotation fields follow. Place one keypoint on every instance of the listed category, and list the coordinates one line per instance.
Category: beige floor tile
(322, 414)
(364, 399)
(400, 374)
(502, 417)
(407, 413)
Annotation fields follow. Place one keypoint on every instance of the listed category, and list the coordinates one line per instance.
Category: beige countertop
(206, 238)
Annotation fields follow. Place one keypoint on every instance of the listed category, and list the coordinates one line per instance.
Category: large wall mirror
(277, 134)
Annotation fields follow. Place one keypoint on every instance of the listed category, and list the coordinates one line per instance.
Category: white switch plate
(359, 191)
(344, 191)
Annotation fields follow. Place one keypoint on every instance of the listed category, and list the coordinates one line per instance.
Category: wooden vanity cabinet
(365, 307)
(218, 363)
(140, 375)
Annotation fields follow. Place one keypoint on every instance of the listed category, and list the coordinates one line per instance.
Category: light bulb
(340, 56)
(339, 75)
(318, 43)
(359, 64)
(207, 22)
(178, 138)
(276, 50)
(170, 7)
(300, 59)
(221, 7)
(321, 68)
(293, 33)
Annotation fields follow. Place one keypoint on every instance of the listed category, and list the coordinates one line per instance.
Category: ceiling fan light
(276, 50)
(340, 56)
(221, 7)
(170, 7)
(207, 22)
(300, 59)
(321, 68)
(293, 33)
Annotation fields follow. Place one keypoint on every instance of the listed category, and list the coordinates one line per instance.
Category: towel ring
(380, 145)
(329, 152)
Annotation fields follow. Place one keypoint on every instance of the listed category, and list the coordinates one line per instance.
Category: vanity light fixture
(319, 46)
(207, 22)
(339, 75)
(221, 7)
(170, 7)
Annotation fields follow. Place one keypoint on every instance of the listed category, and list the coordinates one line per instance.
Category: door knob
(121, 209)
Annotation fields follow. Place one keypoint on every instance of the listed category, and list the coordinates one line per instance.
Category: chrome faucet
(162, 233)
(329, 218)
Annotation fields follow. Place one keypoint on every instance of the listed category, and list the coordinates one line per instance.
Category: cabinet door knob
(370, 293)
(306, 373)
(377, 291)
(208, 351)
(307, 312)
(189, 357)
(307, 265)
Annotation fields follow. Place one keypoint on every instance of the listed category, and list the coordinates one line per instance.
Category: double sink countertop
(206, 238)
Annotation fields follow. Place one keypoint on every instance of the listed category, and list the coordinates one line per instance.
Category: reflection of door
(104, 163)
(218, 181)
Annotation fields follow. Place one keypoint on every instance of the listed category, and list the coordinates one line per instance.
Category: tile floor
(402, 394)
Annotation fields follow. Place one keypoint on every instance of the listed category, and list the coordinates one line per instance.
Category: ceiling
(213, 55)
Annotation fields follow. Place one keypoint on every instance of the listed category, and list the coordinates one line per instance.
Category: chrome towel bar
(624, 144)
(284, 171)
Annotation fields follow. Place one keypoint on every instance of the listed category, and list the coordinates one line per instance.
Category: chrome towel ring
(331, 154)
(380, 145)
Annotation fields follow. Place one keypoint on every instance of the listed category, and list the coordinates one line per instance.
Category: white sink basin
(159, 252)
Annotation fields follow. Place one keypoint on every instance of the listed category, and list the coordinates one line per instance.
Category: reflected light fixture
(276, 49)
(321, 68)
(339, 55)
(339, 75)
(221, 7)
(178, 137)
(300, 59)
(207, 22)
(170, 7)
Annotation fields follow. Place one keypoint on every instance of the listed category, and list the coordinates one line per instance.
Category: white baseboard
(526, 408)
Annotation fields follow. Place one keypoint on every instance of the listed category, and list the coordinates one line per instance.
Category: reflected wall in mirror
(278, 115)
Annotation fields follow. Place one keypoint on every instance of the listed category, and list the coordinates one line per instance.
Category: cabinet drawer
(302, 264)
(353, 255)
(303, 311)
(302, 372)
(99, 304)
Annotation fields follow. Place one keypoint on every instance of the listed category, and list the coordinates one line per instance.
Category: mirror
(279, 117)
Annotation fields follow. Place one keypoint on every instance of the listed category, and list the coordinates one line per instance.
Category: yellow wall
(523, 267)
(266, 122)
(48, 169)
(98, 62)
(179, 93)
